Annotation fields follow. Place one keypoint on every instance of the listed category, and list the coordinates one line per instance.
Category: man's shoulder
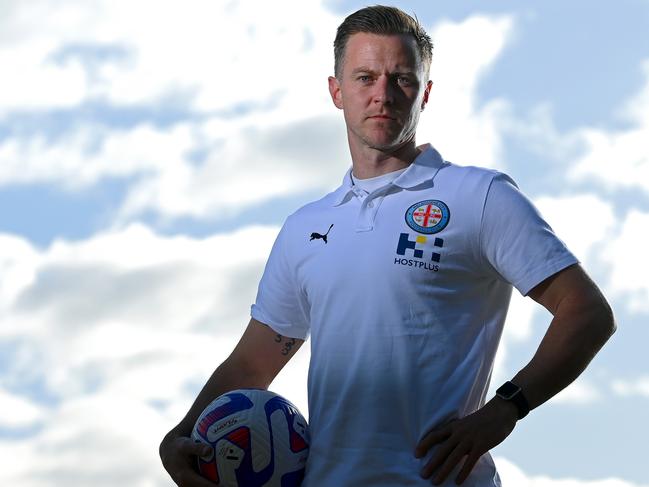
(312, 208)
(471, 171)
(440, 165)
(469, 185)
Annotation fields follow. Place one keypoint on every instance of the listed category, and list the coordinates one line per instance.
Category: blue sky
(146, 162)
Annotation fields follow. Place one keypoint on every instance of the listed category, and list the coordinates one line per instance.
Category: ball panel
(222, 414)
(208, 470)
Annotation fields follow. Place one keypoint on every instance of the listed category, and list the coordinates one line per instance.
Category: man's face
(381, 90)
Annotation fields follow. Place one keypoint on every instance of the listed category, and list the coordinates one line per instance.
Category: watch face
(507, 390)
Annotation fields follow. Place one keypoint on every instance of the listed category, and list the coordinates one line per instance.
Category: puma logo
(315, 235)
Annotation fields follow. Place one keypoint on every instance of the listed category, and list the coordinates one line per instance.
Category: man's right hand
(178, 455)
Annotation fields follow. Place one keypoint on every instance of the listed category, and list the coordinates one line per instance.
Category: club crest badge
(428, 216)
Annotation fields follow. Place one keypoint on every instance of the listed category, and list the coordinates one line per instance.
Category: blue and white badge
(429, 216)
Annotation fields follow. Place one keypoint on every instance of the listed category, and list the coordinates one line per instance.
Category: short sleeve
(280, 304)
(515, 239)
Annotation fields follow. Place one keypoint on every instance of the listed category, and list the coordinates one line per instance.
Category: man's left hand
(469, 437)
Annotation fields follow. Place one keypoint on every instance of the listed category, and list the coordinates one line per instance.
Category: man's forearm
(577, 332)
(227, 377)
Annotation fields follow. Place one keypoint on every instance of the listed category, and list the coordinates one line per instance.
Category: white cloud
(224, 52)
(625, 254)
(250, 166)
(512, 475)
(220, 56)
(90, 310)
(452, 120)
(614, 159)
(127, 273)
(518, 329)
(120, 330)
(99, 440)
(92, 153)
(17, 260)
(18, 412)
(293, 142)
(619, 158)
(582, 221)
(580, 392)
(636, 387)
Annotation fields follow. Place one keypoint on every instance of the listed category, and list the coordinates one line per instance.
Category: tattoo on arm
(288, 344)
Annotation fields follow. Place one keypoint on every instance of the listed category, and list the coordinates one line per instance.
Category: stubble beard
(389, 144)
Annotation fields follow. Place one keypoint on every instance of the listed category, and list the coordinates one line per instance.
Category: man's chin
(387, 144)
(383, 142)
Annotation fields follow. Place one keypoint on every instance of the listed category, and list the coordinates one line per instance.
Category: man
(402, 278)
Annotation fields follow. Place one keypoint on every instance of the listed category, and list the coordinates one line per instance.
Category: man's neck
(370, 163)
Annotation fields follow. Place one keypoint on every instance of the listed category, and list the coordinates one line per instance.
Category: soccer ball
(259, 439)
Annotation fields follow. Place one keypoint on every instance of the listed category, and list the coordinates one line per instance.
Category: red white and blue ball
(258, 438)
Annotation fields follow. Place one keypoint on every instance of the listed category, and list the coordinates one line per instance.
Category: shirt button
(370, 204)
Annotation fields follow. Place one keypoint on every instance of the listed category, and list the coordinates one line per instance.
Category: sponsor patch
(428, 216)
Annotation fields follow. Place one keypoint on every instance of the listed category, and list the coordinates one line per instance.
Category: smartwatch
(513, 393)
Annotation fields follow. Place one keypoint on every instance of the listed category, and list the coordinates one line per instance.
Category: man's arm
(582, 322)
(256, 360)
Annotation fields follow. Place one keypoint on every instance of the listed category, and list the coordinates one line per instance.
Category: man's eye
(403, 80)
(363, 78)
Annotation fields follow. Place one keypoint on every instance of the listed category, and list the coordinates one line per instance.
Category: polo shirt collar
(422, 169)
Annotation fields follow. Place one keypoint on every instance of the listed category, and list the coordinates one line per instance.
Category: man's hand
(178, 455)
(469, 437)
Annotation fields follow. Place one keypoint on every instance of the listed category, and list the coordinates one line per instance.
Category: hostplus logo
(423, 258)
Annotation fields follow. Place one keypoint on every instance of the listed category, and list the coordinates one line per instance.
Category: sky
(150, 151)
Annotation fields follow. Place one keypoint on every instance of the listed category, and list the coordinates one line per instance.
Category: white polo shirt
(404, 292)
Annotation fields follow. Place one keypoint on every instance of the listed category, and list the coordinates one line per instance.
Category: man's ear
(334, 91)
(429, 85)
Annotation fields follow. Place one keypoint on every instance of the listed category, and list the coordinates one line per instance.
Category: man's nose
(384, 90)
